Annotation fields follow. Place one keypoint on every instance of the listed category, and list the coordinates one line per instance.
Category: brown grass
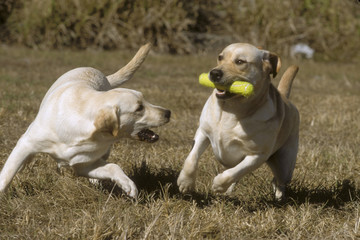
(324, 196)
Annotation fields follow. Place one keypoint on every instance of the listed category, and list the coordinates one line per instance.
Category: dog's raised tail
(287, 79)
(126, 72)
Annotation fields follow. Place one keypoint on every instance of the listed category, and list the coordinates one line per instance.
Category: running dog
(245, 132)
(81, 116)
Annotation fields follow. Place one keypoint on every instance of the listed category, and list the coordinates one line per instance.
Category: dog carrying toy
(243, 88)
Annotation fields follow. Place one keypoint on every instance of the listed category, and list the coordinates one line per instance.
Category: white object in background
(302, 50)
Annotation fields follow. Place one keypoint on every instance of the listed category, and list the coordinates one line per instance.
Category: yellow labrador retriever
(81, 116)
(246, 132)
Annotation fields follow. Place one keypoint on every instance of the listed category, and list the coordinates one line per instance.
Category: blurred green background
(330, 27)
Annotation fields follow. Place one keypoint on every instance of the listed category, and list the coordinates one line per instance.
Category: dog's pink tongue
(148, 136)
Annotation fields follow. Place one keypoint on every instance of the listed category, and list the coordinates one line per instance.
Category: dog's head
(244, 62)
(128, 114)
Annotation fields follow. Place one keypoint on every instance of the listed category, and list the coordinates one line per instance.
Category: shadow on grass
(336, 196)
(161, 183)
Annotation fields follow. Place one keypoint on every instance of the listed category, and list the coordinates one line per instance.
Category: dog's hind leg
(104, 171)
(282, 164)
(22, 153)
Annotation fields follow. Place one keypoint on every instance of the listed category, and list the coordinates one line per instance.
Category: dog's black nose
(216, 75)
(167, 114)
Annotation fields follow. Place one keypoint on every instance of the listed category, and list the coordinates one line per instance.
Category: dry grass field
(324, 197)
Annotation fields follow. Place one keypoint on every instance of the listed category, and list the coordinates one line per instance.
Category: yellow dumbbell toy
(243, 88)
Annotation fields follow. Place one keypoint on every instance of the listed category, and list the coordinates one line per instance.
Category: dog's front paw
(185, 182)
(221, 183)
(130, 188)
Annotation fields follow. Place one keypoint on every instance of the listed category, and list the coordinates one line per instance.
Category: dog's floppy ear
(274, 61)
(107, 121)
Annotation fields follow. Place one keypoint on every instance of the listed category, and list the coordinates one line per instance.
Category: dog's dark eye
(220, 57)
(140, 108)
(239, 61)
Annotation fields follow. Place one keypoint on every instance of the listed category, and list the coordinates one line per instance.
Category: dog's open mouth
(148, 136)
(223, 94)
(220, 92)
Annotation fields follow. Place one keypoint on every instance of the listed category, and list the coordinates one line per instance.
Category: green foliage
(331, 27)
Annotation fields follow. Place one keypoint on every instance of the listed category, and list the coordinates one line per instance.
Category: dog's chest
(231, 144)
(233, 137)
(232, 140)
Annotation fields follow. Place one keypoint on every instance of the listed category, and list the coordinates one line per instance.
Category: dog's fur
(246, 132)
(80, 117)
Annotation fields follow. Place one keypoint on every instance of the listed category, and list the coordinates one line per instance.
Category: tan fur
(287, 80)
(246, 132)
(126, 73)
(107, 120)
(80, 118)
